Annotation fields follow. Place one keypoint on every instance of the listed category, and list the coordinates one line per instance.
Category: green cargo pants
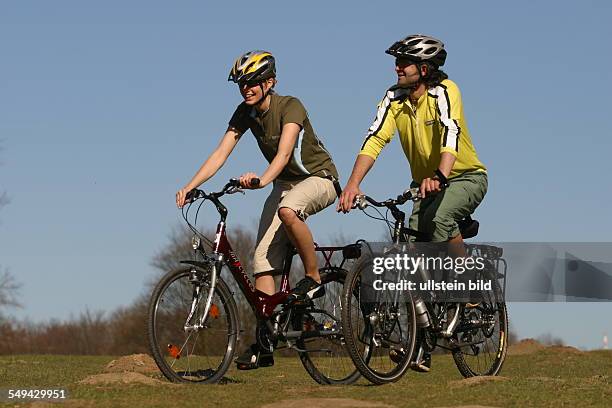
(437, 215)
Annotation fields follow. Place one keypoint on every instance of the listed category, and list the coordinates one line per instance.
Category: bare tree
(9, 288)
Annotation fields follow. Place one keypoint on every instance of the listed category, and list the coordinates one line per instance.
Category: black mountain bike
(193, 322)
(475, 333)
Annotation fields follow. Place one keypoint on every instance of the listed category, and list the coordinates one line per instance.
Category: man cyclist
(301, 170)
(426, 110)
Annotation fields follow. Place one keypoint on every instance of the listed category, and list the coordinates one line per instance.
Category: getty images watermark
(509, 271)
(407, 266)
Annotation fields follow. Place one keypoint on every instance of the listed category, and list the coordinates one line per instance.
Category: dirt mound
(525, 346)
(138, 363)
(564, 350)
(326, 403)
(472, 381)
(122, 378)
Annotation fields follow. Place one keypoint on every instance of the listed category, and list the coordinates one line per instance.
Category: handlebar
(232, 187)
(362, 201)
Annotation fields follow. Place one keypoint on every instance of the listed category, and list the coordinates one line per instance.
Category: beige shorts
(305, 197)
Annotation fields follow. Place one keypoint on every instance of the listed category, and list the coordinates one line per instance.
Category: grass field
(551, 377)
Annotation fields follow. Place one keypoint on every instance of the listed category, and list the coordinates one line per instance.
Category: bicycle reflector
(174, 351)
(214, 311)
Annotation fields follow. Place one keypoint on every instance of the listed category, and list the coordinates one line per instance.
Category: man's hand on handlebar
(430, 186)
(347, 198)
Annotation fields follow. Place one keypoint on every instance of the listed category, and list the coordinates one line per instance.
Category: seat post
(291, 251)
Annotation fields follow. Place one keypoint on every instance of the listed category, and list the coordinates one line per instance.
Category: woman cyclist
(301, 171)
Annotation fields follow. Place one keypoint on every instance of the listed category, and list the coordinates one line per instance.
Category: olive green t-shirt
(309, 158)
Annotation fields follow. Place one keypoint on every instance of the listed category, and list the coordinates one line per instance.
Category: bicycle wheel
(201, 355)
(374, 324)
(485, 330)
(325, 357)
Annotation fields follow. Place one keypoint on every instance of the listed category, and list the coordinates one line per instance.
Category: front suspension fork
(200, 324)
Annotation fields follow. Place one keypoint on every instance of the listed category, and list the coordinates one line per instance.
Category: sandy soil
(472, 381)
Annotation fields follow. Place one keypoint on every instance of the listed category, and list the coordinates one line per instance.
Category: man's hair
(434, 75)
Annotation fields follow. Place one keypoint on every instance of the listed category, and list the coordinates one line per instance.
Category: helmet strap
(421, 77)
(264, 94)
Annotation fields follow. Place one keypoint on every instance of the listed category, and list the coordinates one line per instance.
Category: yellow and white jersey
(435, 125)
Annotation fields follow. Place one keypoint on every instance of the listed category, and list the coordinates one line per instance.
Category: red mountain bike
(193, 321)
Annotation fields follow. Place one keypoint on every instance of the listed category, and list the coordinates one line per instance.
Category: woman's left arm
(283, 155)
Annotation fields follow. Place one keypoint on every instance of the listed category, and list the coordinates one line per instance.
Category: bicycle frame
(262, 304)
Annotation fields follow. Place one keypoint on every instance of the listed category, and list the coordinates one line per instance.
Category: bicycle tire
(202, 356)
(333, 367)
(494, 344)
(371, 359)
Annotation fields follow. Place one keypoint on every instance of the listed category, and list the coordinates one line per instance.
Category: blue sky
(107, 108)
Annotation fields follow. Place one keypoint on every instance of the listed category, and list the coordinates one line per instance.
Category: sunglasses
(248, 84)
(404, 62)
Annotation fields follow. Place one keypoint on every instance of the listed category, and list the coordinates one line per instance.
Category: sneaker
(254, 358)
(307, 288)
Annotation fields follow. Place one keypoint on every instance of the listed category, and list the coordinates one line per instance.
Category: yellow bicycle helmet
(253, 66)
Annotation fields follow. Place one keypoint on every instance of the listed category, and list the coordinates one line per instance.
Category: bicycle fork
(196, 300)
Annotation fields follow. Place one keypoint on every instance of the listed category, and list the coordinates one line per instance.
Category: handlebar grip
(191, 194)
(234, 182)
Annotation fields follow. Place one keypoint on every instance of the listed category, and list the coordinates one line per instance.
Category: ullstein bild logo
(432, 285)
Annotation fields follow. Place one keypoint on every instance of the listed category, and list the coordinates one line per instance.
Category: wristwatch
(441, 178)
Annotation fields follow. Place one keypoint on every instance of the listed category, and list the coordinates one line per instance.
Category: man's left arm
(450, 108)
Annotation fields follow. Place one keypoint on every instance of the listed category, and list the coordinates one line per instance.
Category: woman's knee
(287, 215)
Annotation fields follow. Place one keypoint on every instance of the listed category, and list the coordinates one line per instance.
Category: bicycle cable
(384, 218)
(208, 241)
(389, 224)
(192, 227)
(373, 217)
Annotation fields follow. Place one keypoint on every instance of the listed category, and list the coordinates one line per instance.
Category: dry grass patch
(326, 403)
(473, 381)
(122, 378)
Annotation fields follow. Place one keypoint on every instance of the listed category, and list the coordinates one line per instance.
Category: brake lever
(234, 190)
(360, 202)
(414, 194)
